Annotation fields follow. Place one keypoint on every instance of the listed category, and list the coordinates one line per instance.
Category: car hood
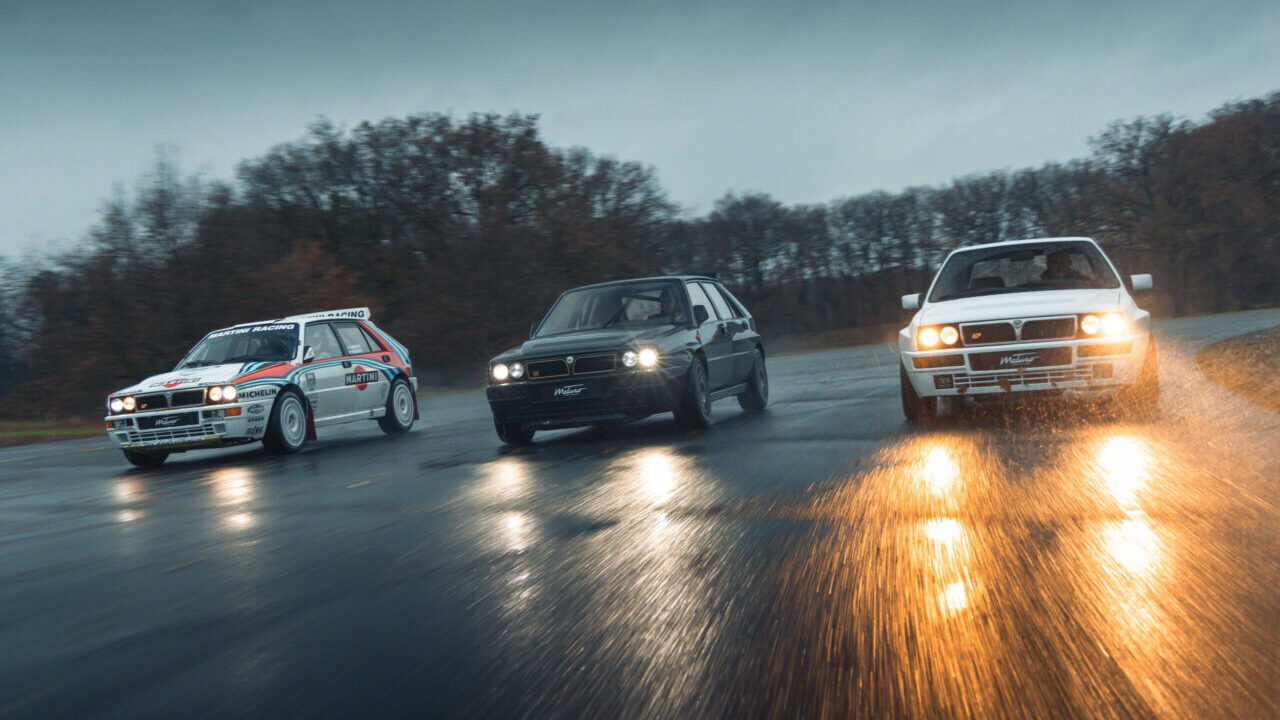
(1019, 305)
(588, 340)
(181, 379)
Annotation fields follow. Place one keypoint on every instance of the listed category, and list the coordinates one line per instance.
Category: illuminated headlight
(1090, 325)
(927, 337)
(117, 405)
(222, 393)
(517, 371)
(648, 357)
(500, 372)
(215, 394)
(1113, 324)
(949, 335)
(129, 403)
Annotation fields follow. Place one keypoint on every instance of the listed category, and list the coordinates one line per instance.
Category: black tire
(1142, 401)
(287, 428)
(146, 459)
(917, 409)
(694, 410)
(513, 433)
(400, 409)
(756, 396)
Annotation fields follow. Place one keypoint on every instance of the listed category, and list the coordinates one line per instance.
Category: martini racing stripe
(400, 349)
(389, 370)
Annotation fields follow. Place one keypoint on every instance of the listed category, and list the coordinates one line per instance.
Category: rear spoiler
(712, 275)
(348, 314)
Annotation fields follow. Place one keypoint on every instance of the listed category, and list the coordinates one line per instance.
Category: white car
(1044, 316)
(274, 381)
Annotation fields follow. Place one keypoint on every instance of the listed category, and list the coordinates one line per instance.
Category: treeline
(460, 231)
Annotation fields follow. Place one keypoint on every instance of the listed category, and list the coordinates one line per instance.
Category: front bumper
(211, 426)
(629, 395)
(1086, 367)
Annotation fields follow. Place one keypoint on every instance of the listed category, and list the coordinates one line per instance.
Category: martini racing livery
(274, 381)
(1041, 317)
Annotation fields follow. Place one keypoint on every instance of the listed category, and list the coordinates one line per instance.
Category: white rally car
(1044, 316)
(274, 381)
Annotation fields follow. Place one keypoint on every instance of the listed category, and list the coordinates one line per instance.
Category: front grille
(593, 364)
(152, 402)
(547, 368)
(170, 435)
(987, 333)
(1049, 328)
(187, 397)
(1008, 380)
(168, 421)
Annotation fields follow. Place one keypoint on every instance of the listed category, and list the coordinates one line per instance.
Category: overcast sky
(807, 101)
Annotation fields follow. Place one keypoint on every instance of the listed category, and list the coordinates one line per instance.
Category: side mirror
(1139, 283)
(533, 329)
(308, 354)
(911, 302)
(700, 314)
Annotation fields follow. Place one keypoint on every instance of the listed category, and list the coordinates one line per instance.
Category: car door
(324, 378)
(743, 335)
(367, 384)
(717, 344)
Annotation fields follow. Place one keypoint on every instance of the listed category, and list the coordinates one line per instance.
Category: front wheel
(756, 396)
(919, 410)
(142, 459)
(694, 410)
(400, 410)
(287, 429)
(512, 433)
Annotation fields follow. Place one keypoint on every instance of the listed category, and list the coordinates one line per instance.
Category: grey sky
(807, 101)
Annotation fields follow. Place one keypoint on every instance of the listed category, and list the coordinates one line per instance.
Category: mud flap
(311, 423)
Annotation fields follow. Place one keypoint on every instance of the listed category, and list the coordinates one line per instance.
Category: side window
(698, 297)
(373, 344)
(722, 307)
(320, 338)
(353, 340)
(738, 309)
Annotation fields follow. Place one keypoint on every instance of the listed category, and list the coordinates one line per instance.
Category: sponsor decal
(168, 421)
(253, 329)
(361, 377)
(310, 381)
(174, 382)
(1019, 359)
(570, 390)
(255, 409)
(262, 392)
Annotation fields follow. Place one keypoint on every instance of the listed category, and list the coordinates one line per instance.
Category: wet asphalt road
(821, 560)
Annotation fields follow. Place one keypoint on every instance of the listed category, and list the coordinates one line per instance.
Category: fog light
(944, 382)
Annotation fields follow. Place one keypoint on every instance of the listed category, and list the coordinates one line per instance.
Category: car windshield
(1023, 268)
(624, 304)
(255, 343)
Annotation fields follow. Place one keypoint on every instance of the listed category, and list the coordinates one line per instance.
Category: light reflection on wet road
(822, 560)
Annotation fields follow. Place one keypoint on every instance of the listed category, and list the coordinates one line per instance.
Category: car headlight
(630, 358)
(927, 337)
(517, 371)
(215, 394)
(949, 335)
(116, 405)
(648, 357)
(129, 404)
(222, 393)
(1113, 324)
(1090, 324)
(500, 372)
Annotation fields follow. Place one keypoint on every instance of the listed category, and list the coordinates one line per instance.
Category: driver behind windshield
(1058, 267)
(667, 307)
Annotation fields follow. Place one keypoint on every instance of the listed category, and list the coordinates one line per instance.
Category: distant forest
(459, 232)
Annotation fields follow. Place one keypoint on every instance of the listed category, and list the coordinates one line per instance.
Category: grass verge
(23, 433)
(1248, 365)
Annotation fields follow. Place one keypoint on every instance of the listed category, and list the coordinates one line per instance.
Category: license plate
(1019, 359)
(164, 422)
(570, 391)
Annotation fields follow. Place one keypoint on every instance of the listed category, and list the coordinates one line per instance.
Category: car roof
(344, 314)
(655, 278)
(1028, 241)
